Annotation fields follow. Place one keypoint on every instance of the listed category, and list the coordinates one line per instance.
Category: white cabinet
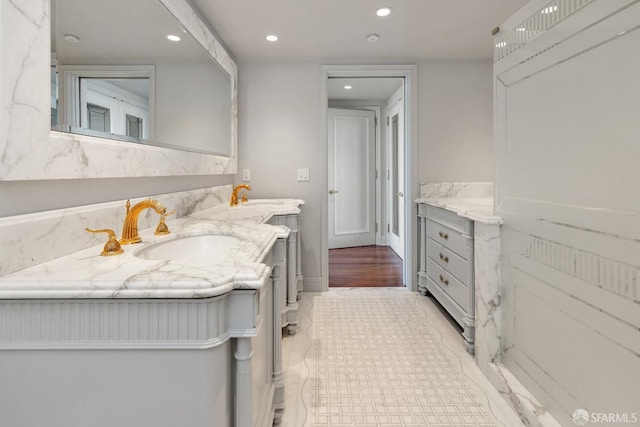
(197, 362)
(446, 265)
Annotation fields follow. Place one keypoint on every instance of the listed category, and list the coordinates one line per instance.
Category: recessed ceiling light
(372, 38)
(348, 87)
(71, 38)
(383, 11)
(272, 38)
(173, 38)
(549, 9)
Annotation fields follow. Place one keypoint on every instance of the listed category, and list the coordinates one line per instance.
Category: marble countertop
(86, 274)
(478, 209)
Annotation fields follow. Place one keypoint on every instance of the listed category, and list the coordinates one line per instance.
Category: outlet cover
(246, 174)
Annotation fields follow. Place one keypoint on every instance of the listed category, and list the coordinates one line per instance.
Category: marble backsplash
(456, 189)
(31, 239)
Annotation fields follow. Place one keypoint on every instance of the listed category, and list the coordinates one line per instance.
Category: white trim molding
(409, 72)
(129, 323)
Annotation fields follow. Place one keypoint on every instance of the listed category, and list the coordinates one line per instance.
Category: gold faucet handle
(162, 227)
(112, 247)
(244, 197)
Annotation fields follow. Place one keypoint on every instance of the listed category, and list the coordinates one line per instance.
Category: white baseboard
(312, 284)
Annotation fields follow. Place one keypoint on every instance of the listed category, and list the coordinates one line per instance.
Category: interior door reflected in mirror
(118, 106)
(117, 74)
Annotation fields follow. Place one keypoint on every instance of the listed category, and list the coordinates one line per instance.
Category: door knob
(400, 194)
(333, 191)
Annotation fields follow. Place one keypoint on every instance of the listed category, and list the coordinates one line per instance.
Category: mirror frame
(30, 150)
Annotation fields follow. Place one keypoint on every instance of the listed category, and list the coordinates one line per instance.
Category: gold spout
(234, 194)
(130, 227)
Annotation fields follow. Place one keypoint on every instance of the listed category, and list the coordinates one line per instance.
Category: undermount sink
(202, 246)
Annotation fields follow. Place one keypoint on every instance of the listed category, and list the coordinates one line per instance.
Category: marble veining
(85, 274)
(472, 200)
(478, 209)
(488, 294)
(527, 407)
(440, 190)
(27, 240)
(30, 150)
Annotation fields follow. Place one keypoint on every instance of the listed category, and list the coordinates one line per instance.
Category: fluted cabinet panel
(113, 324)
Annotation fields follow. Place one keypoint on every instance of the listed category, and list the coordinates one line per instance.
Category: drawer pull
(444, 258)
(443, 235)
(443, 280)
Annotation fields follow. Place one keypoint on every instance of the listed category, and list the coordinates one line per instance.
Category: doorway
(365, 180)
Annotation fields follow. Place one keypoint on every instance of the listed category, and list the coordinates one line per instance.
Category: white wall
(281, 129)
(455, 120)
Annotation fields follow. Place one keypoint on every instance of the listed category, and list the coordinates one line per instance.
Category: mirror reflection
(128, 71)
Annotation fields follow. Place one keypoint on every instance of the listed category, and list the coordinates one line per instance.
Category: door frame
(410, 75)
(398, 104)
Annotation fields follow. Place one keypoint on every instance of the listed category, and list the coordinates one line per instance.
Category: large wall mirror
(129, 71)
(100, 91)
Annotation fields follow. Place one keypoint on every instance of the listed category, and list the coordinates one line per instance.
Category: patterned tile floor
(383, 357)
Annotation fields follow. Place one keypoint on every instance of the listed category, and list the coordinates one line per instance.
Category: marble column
(488, 295)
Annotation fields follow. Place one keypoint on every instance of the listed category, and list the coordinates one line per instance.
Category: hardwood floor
(365, 266)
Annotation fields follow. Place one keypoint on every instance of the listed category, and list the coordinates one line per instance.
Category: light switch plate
(246, 174)
(303, 174)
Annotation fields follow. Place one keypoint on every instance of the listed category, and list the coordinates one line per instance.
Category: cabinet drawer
(449, 284)
(448, 260)
(450, 239)
(450, 219)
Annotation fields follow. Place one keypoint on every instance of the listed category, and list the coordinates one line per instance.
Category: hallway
(383, 357)
(365, 266)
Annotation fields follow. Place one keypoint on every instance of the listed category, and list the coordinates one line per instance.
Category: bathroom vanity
(454, 256)
(446, 265)
(161, 335)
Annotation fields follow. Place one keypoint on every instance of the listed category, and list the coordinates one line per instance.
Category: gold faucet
(234, 194)
(130, 227)
(112, 247)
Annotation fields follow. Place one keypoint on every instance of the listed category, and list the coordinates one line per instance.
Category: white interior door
(395, 132)
(351, 178)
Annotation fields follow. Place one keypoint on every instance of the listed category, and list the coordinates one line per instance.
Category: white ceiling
(362, 88)
(338, 29)
(119, 30)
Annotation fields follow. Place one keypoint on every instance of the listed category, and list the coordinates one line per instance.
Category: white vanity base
(143, 363)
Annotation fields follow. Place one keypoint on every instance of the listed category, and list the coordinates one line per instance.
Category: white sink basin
(202, 246)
